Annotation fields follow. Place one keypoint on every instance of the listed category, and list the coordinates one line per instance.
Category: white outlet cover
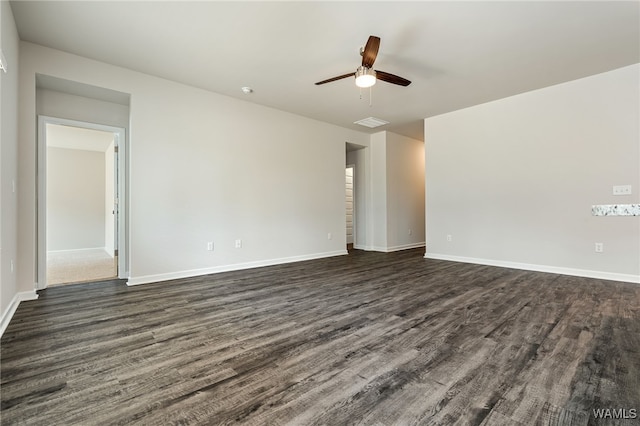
(622, 190)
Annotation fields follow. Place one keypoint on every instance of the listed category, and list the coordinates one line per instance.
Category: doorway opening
(356, 168)
(349, 204)
(80, 187)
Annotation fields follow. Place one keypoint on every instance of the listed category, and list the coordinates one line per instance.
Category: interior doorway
(80, 183)
(357, 195)
(350, 205)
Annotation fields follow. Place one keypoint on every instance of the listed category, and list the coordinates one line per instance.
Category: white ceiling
(69, 137)
(457, 54)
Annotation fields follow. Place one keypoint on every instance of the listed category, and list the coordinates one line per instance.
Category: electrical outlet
(622, 190)
(12, 266)
(210, 246)
(329, 236)
(599, 247)
(410, 232)
(449, 238)
(238, 243)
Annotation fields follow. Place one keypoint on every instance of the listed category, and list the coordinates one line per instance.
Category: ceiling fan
(365, 75)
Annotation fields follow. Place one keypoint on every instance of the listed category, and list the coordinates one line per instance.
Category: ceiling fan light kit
(365, 77)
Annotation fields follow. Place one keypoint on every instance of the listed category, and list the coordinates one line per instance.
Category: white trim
(380, 249)
(612, 276)
(13, 306)
(390, 249)
(41, 200)
(145, 279)
(404, 247)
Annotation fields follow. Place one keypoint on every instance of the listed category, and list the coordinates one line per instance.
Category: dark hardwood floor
(369, 338)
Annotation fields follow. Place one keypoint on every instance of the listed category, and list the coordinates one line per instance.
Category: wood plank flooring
(369, 338)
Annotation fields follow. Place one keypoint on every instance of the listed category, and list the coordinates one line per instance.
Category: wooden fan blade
(370, 51)
(329, 80)
(392, 78)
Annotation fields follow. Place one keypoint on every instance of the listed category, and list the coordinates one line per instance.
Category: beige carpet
(74, 266)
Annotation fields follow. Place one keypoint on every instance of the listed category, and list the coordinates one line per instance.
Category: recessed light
(247, 90)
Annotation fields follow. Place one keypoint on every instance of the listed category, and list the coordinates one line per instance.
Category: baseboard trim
(13, 306)
(146, 279)
(82, 250)
(404, 247)
(611, 276)
(390, 249)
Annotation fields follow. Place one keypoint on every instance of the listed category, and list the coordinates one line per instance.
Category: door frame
(41, 194)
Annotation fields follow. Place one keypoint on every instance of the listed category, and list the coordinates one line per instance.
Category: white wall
(8, 158)
(75, 199)
(64, 105)
(513, 181)
(378, 194)
(405, 192)
(203, 167)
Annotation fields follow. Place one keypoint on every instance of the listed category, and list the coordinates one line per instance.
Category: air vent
(371, 122)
